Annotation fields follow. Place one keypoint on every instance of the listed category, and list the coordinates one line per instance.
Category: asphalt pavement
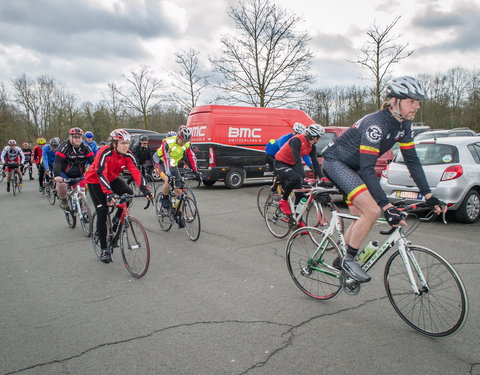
(222, 305)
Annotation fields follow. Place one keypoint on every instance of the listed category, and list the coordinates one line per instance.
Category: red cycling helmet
(75, 131)
(120, 135)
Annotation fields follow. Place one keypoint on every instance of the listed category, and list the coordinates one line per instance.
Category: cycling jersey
(92, 145)
(71, 160)
(48, 157)
(273, 147)
(28, 154)
(297, 147)
(37, 154)
(12, 155)
(170, 153)
(360, 146)
(107, 167)
(142, 154)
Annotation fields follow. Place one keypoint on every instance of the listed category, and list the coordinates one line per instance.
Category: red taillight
(452, 172)
(211, 157)
(385, 171)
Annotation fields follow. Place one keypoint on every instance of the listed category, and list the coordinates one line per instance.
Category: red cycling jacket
(37, 154)
(107, 167)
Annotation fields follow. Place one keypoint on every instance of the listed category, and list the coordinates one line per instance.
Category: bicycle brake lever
(148, 204)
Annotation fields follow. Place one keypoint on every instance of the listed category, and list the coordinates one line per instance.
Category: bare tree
(114, 103)
(187, 80)
(143, 88)
(380, 53)
(268, 63)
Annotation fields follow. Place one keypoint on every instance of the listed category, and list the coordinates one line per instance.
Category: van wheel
(209, 182)
(234, 179)
(469, 211)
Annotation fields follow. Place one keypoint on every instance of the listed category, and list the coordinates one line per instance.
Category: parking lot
(222, 305)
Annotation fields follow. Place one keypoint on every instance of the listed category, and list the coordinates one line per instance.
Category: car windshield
(432, 153)
(430, 135)
(326, 138)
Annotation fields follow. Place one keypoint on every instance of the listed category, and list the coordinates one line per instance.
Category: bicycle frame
(310, 192)
(396, 237)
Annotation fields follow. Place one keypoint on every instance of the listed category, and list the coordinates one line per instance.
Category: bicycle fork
(409, 260)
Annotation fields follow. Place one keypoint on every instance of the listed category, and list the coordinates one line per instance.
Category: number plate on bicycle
(408, 194)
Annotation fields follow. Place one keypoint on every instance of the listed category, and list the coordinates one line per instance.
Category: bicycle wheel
(164, 215)
(14, 185)
(71, 218)
(438, 309)
(19, 187)
(262, 196)
(51, 196)
(314, 276)
(277, 222)
(191, 218)
(85, 215)
(135, 247)
(2, 176)
(189, 192)
(97, 248)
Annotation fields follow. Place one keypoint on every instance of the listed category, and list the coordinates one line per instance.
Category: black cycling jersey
(71, 160)
(361, 145)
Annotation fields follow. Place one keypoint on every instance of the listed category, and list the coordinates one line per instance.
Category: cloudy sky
(87, 43)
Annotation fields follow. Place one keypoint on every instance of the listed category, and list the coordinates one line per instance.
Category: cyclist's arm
(295, 146)
(165, 157)
(102, 171)
(45, 159)
(308, 160)
(191, 159)
(4, 152)
(22, 155)
(316, 165)
(407, 148)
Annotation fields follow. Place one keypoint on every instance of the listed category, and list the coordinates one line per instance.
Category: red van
(229, 141)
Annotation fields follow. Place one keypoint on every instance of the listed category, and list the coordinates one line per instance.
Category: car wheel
(234, 179)
(469, 210)
(209, 182)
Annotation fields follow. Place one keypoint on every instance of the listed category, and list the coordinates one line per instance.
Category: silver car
(452, 168)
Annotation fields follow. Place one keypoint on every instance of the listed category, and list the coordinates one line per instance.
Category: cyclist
(70, 161)
(37, 159)
(349, 162)
(27, 151)
(171, 133)
(274, 146)
(143, 155)
(104, 182)
(48, 157)
(90, 142)
(12, 156)
(288, 164)
(166, 159)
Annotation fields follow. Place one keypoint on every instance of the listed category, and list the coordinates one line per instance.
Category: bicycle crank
(349, 285)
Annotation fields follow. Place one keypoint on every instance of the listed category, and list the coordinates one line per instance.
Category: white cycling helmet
(406, 87)
(315, 130)
(299, 128)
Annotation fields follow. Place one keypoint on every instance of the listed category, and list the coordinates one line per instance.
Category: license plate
(408, 194)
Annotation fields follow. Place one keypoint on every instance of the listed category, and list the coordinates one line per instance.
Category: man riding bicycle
(37, 159)
(27, 151)
(166, 159)
(90, 142)
(289, 167)
(349, 162)
(104, 182)
(48, 157)
(70, 162)
(12, 156)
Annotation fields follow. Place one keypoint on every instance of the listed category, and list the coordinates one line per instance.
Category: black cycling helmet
(144, 138)
(54, 142)
(406, 87)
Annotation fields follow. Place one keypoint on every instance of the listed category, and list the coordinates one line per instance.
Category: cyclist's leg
(99, 200)
(41, 173)
(119, 187)
(292, 180)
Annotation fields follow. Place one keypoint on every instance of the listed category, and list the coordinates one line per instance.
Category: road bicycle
(423, 288)
(128, 234)
(50, 189)
(77, 206)
(27, 167)
(266, 192)
(15, 184)
(312, 213)
(180, 207)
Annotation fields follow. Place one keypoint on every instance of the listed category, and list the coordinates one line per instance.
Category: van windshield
(326, 138)
(432, 153)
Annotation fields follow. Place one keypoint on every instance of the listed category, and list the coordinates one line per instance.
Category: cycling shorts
(174, 171)
(11, 166)
(345, 178)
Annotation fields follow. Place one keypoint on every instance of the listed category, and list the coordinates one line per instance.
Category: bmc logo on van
(244, 132)
(198, 131)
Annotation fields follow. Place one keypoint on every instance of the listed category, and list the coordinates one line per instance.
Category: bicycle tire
(97, 249)
(2, 176)
(135, 253)
(71, 218)
(191, 217)
(277, 222)
(14, 185)
(190, 193)
(19, 187)
(445, 302)
(164, 215)
(85, 216)
(262, 196)
(317, 278)
(51, 196)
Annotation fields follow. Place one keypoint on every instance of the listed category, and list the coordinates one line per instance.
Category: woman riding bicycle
(166, 159)
(104, 182)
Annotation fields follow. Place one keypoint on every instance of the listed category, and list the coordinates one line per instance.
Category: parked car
(333, 132)
(452, 168)
(457, 132)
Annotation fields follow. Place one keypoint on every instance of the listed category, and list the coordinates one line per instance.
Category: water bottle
(368, 251)
(175, 202)
(300, 205)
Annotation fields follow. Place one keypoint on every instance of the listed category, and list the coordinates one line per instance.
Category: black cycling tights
(291, 180)
(99, 199)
